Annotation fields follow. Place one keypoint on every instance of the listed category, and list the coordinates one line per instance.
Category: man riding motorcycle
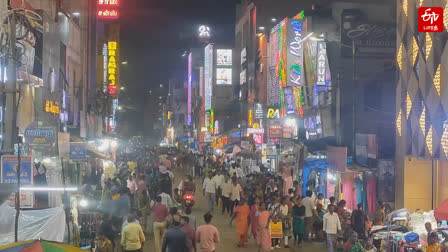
(186, 191)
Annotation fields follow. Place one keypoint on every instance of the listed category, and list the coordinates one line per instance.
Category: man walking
(331, 226)
(132, 238)
(189, 231)
(207, 235)
(308, 203)
(160, 212)
(175, 239)
(209, 187)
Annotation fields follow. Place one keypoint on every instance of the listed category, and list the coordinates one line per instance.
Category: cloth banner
(47, 224)
(276, 230)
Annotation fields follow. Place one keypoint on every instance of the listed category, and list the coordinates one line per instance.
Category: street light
(161, 85)
(121, 88)
(124, 63)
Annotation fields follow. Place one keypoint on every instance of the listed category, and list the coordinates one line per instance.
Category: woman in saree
(263, 232)
(254, 211)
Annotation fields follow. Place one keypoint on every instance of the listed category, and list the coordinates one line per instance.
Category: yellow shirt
(432, 248)
(132, 237)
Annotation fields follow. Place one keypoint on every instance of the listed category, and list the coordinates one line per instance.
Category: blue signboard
(78, 151)
(10, 166)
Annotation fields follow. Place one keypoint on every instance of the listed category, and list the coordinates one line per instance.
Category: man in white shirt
(226, 190)
(209, 188)
(235, 194)
(308, 203)
(219, 183)
(331, 226)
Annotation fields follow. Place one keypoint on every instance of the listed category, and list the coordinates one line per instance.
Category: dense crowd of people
(268, 207)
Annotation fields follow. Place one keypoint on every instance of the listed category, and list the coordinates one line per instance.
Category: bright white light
(161, 85)
(83, 203)
(204, 31)
(290, 122)
(34, 189)
(261, 28)
(124, 63)
(46, 160)
(76, 14)
(120, 107)
(113, 143)
(121, 88)
(160, 97)
(273, 20)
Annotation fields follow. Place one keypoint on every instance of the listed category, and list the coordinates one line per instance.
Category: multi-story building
(421, 111)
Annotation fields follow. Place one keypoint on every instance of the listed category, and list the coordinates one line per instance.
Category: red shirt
(191, 234)
(160, 212)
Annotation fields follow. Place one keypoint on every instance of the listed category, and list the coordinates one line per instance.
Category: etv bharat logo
(430, 19)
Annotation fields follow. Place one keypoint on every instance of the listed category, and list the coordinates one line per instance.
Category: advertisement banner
(288, 132)
(295, 53)
(258, 139)
(40, 136)
(258, 111)
(9, 176)
(224, 57)
(370, 39)
(208, 75)
(276, 131)
(78, 151)
(337, 158)
(321, 68)
(366, 149)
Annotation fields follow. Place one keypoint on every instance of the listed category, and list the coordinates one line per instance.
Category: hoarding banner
(9, 170)
(224, 57)
(40, 135)
(370, 39)
(276, 131)
(224, 76)
(78, 151)
(258, 111)
(295, 53)
(64, 144)
(208, 76)
(289, 101)
(337, 158)
(321, 68)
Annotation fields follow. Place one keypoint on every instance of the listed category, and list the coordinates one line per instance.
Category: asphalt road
(227, 233)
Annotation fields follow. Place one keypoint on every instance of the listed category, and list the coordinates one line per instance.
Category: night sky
(154, 33)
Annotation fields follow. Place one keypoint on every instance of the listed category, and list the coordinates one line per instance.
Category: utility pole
(354, 91)
(10, 133)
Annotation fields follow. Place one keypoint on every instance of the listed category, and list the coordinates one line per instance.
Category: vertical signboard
(258, 111)
(189, 83)
(208, 76)
(289, 101)
(224, 66)
(9, 169)
(321, 68)
(277, 64)
(107, 9)
(295, 53)
(105, 60)
(112, 67)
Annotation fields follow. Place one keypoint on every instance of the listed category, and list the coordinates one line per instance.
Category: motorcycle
(188, 201)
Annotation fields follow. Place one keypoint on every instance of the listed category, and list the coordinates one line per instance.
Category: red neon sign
(112, 90)
(108, 13)
(108, 3)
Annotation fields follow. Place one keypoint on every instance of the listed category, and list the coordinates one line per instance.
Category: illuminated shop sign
(224, 76)
(289, 101)
(273, 113)
(52, 107)
(208, 76)
(107, 9)
(108, 3)
(211, 123)
(255, 131)
(243, 78)
(321, 68)
(108, 13)
(258, 139)
(277, 64)
(224, 57)
(113, 121)
(250, 117)
(105, 59)
(259, 113)
(295, 53)
(243, 55)
(169, 115)
(204, 31)
(112, 67)
(189, 83)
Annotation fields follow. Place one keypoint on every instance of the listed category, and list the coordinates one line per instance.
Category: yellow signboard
(52, 107)
(250, 117)
(112, 66)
